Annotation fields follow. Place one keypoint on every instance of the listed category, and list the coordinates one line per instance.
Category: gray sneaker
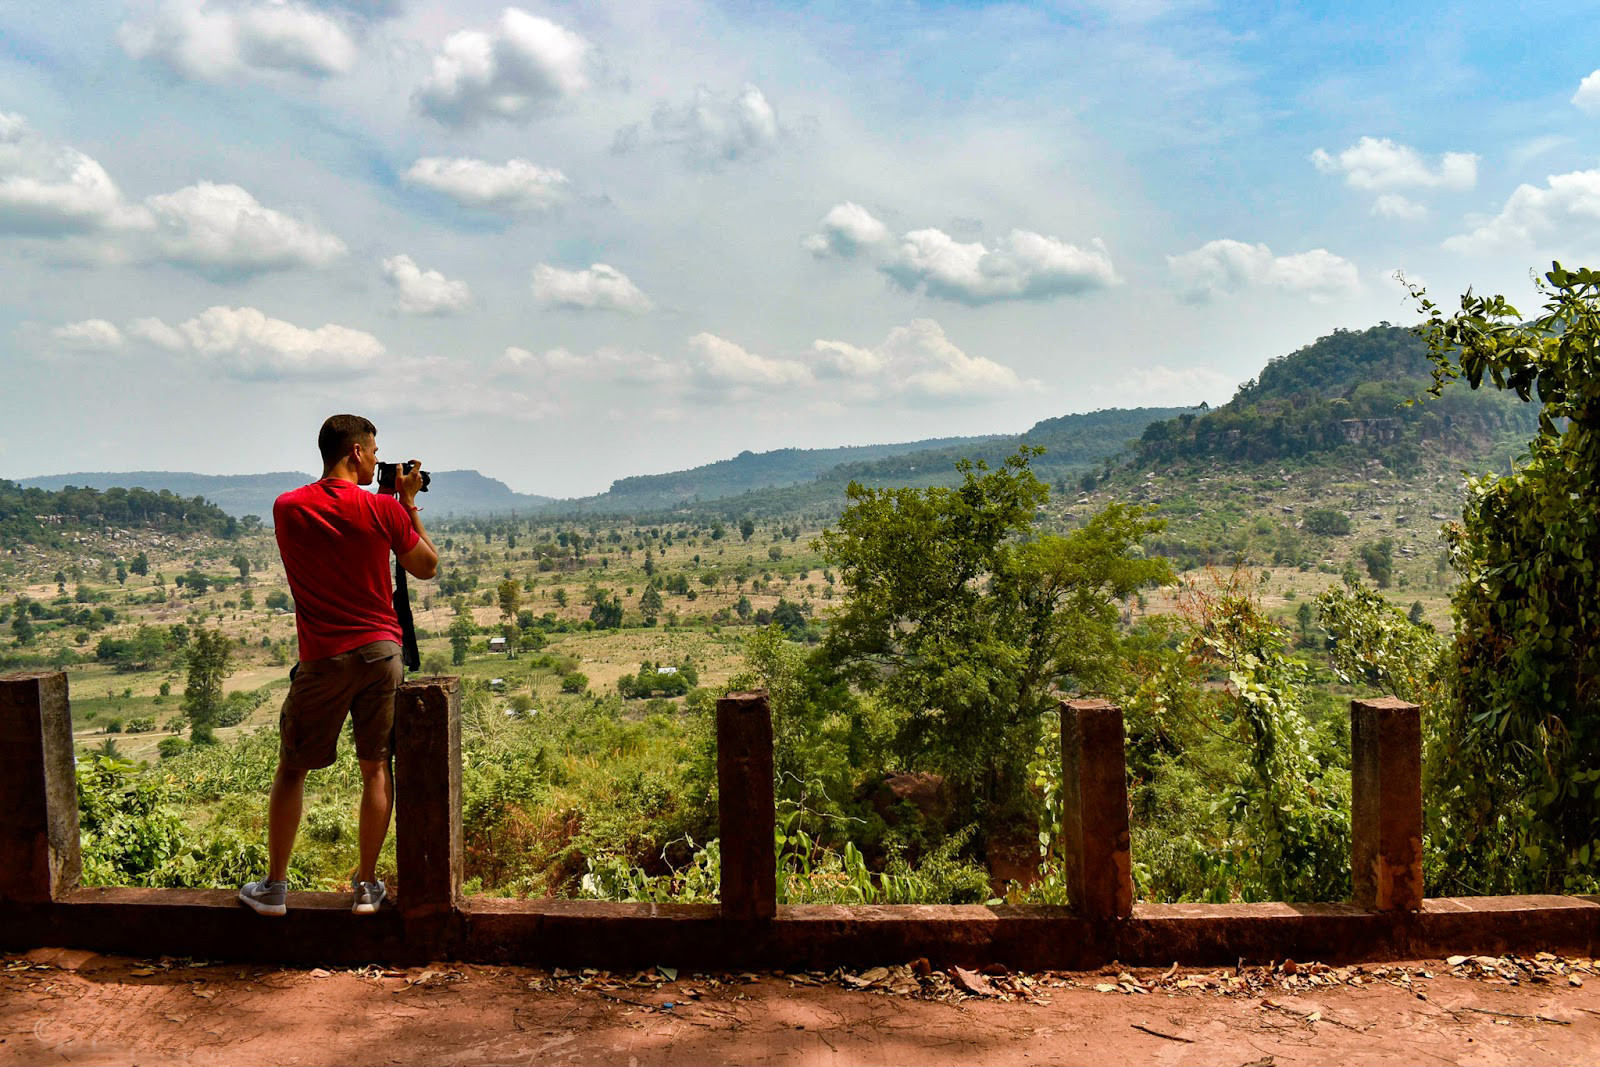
(267, 898)
(369, 895)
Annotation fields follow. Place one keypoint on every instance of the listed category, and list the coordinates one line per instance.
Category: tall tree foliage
(210, 663)
(1525, 731)
(961, 620)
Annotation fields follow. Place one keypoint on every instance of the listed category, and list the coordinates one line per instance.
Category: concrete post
(428, 845)
(745, 806)
(1094, 786)
(1386, 804)
(39, 858)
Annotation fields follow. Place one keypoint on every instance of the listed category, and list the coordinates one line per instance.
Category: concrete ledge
(320, 928)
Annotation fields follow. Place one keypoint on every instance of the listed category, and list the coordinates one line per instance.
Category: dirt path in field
(60, 1006)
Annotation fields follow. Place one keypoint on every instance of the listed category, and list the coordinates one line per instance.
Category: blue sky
(564, 244)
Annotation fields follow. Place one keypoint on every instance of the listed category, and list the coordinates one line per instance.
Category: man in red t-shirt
(335, 540)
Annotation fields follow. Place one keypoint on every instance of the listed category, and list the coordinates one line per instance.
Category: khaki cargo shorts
(360, 683)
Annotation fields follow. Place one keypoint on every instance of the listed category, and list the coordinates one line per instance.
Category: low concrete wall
(319, 928)
(40, 903)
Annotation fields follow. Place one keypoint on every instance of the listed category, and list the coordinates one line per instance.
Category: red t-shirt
(335, 539)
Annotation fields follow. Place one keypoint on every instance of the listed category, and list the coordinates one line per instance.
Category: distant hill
(450, 494)
(1075, 445)
(1345, 392)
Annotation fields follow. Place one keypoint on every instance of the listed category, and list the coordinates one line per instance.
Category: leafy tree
(462, 631)
(742, 607)
(560, 598)
(650, 605)
(510, 599)
(1414, 616)
(1524, 726)
(1379, 559)
(122, 573)
(22, 628)
(747, 527)
(242, 562)
(278, 600)
(140, 565)
(963, 626)
(606, 613)
(1326, 522)
(210, 657)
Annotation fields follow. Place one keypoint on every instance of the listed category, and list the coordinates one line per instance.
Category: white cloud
(223, 230)
(919, 362)
(51, 190)
(611, 366)
(90, 335)
(1567, 208)
(721, 362)
(1026, 266)
(712, 127)
(514, 186)
(600, 288)
(246, 343)
(1226, 266)
(158, 334)
(521, 67)
(1375, 163)
(846, 229)
(424, 292)
(1587, 98)
(1395, 206)
(214, 41)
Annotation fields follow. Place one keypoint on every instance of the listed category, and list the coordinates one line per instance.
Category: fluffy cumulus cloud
(50, 190)
(90, 335)
(599, 288)
(1225, 266)
(918, 362)
(1587, 98)
(609, 365)
(1025, 266)
(513, 72)
(514, 187)
(711, 127)
(247, 343)
(217, 41)
(1378, 164)
(846, 230)
(223, 230)
(424, 292)
(1564, 210)
(721, 362)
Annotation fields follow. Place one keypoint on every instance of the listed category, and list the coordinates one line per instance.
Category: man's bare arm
(422, 561)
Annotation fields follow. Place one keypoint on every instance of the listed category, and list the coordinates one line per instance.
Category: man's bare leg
(283, 819)
(377, 801)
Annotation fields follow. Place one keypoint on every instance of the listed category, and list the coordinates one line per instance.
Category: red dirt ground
(66, 1006)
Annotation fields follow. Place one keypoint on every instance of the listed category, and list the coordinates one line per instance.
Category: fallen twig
(1519, 1015)
(1158, 1033)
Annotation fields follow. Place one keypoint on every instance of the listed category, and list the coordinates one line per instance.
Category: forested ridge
(41, 516)
(1347, 391)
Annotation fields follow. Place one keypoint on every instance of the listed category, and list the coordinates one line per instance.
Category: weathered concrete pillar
(39, 857)
(1386, 804)
(745, 806)
(1094, 818)
(427, 773)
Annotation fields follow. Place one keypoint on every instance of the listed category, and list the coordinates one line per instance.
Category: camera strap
(408, 631)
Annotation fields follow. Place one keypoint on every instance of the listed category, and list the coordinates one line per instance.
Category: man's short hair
(338, 433)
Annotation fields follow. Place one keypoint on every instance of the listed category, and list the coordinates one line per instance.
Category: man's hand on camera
(408, 482)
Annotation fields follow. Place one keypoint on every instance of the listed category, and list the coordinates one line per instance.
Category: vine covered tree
(1522, 732)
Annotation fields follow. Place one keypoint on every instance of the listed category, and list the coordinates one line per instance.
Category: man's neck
(342, 472)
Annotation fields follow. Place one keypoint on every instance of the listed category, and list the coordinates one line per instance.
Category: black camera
(389, 472)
